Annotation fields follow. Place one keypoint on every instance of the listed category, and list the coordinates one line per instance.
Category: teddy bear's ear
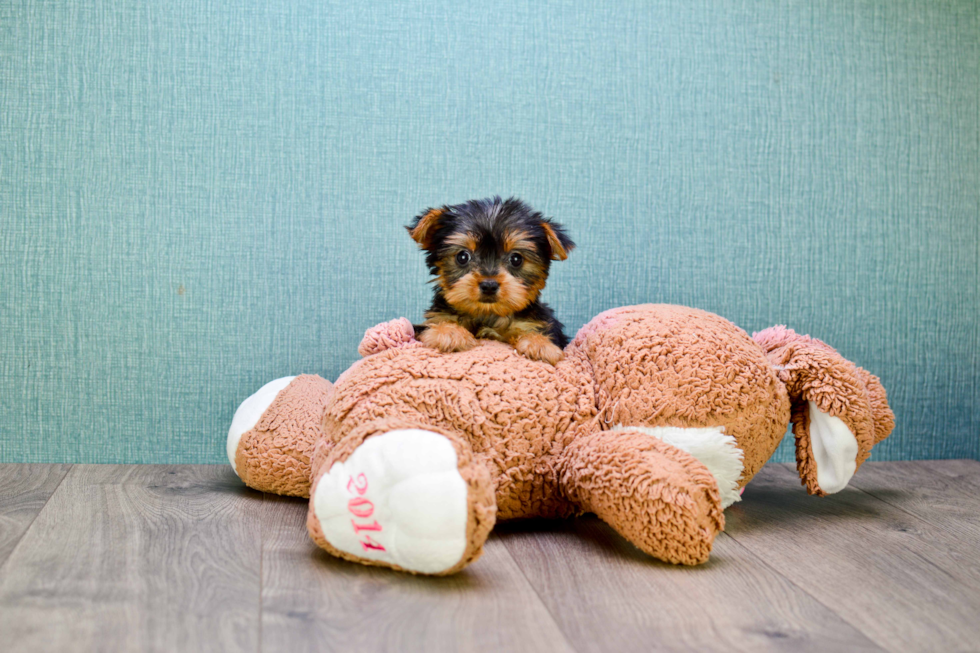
(423, 227)
(558, 240)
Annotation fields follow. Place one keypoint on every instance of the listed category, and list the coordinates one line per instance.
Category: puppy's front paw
(448, 337)
(539, 348)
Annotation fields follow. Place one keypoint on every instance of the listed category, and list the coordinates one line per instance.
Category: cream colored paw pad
(399, 499)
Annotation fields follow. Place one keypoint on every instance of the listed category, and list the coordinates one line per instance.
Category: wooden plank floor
(184, 558)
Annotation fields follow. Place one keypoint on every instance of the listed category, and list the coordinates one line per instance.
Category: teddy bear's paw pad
(398, 499)
(251, 410)
(835, 450)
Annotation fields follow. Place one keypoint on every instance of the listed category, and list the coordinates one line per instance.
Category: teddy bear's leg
(272, 435)
(656, 495)
(402, 495)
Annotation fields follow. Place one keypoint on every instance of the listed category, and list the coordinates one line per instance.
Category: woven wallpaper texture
(199, 196)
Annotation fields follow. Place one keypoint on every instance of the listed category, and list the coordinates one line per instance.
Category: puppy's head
(491, 257)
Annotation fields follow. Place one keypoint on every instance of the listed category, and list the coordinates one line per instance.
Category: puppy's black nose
(489, 287)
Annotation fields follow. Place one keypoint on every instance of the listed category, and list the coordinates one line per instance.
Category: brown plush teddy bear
(654, 420)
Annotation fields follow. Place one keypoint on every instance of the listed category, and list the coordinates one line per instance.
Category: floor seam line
(790, 470)
(789, 580)
(261, 570)
(544, 605)
(924, 521)
(10, 555)
(897, 507)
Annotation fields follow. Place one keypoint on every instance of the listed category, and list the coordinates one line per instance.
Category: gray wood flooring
(185, 558)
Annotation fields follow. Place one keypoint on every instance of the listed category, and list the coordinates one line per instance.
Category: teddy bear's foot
(271, 439)
(408, 498)
(667, 504)
(248, 414)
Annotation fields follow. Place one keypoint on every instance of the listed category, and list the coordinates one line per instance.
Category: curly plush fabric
(394, 333)
(515, 413)
(812, 371)
(657, 496)
(536, 440)
(677, 366)
(274, 456)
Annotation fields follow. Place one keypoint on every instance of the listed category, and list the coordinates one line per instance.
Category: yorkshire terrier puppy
(491, 259)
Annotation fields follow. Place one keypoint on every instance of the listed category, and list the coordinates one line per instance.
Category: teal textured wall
(198, 196)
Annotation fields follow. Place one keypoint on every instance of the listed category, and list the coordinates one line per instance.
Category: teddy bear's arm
(839, 410)
(655, 495)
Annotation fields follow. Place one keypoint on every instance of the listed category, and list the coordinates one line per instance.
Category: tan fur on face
(540, 278)
(537, 346)
(464, 295)
(447, 337)
(466, 241)
(518, 240)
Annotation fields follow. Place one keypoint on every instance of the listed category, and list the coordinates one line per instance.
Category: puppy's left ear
(558, 240)
(423, 227)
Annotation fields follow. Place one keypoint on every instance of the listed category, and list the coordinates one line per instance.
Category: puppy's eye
(516, 260)
(462, 258)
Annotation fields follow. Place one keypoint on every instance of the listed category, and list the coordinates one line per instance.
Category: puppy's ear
(423, 227)
(558, 240)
